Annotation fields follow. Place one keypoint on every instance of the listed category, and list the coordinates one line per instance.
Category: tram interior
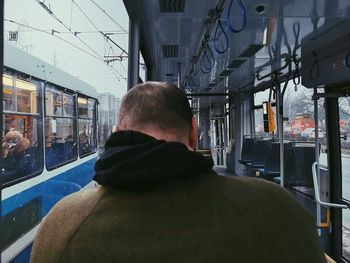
(231, 58)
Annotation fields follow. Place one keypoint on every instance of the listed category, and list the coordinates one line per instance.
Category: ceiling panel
(186, 30)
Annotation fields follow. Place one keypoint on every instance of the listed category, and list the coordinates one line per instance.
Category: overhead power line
(49, 32)
(115, 22)
(109, 32)
(93, 24)
(47, 9)
(51, 13)
(67, 42)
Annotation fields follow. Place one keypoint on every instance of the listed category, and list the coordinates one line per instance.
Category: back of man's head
(156, 106)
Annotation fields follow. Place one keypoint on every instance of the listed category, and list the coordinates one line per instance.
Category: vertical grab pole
(317, 159)
(179, 75)
(279, 102)
(134, 53)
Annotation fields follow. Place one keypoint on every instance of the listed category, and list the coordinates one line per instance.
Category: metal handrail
(317, 192)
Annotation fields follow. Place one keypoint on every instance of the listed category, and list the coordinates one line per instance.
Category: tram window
(299, 110)
(60, 135)
(344, 125)
(87, 125)
(300, 127)
(21, 147)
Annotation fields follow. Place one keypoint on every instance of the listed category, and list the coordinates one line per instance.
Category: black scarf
(134, 160)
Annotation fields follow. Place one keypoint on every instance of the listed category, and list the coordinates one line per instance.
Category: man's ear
(193, 136)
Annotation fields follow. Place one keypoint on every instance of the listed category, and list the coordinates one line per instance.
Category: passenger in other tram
(13, 149)
(160, 201)
(84, 141)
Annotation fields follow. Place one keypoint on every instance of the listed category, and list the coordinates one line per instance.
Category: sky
(83, 57)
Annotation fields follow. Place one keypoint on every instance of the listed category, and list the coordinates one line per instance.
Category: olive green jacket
(204, 218)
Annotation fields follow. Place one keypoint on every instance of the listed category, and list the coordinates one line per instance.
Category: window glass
(87, 126)
(60, 135)
(22, 130)
(299, 110)
(346, 234)
(344, 124)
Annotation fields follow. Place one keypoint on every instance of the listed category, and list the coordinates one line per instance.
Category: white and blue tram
(52, 119)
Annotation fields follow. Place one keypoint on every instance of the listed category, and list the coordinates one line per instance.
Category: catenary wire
(63, 24)
(93, 24)
(92, 1)
(67, 42)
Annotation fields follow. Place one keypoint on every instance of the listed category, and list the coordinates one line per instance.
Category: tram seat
(247, 150)
(260, 151)
(69, 150)
(299, 160)
(271, 169)
(272, 162)
(60, 153)
(32, 160)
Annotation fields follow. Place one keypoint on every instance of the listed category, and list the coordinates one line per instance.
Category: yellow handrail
(329, 259)
(328, 219)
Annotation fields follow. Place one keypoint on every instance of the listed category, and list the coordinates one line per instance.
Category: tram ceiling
(170, 37)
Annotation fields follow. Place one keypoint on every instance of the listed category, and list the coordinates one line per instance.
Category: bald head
(158, 109)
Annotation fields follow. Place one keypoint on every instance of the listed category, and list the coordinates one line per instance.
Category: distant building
(108, 108)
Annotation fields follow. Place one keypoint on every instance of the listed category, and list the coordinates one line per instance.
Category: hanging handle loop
(243, 14)
(216, 38)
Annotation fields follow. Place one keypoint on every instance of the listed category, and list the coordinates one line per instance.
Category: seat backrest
(302, 156)
(247, 148)
(272, 161)
(260, 152)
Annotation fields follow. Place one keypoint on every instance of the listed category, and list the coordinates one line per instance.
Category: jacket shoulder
(281, 222)
(61, 223)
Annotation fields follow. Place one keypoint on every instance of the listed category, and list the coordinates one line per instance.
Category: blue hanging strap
(216, 38)
(211, 59)
(296, 32)
(244, 17)
(285, 40)
(206, 64)
(296, 75)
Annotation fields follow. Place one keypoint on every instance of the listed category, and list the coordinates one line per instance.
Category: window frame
(74, 118)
